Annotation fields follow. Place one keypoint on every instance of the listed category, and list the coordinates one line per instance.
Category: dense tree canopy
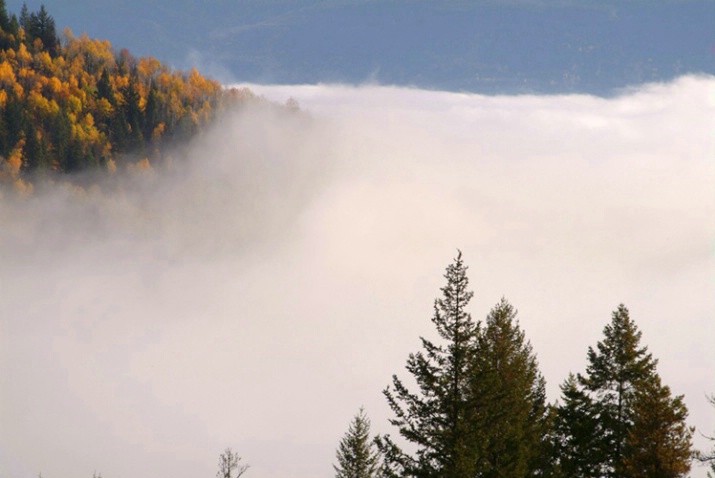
(75, 104)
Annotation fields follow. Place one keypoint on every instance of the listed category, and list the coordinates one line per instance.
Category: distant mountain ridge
(506, 46)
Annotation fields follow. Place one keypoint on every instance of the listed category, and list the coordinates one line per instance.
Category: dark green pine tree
(577, 432)
(356, 454)
(24, 17)
(105, 89)
(119, 132)
(435, 420)
(8, 31)
(614, 370)
(4, 17)
(105, 121)
(74, 158)
(14, 118)
(151, 113)
(631, 405)
(61, 138)
(659, 444)
(41, 26)
(35, 150)
(507, 400)
(134, 116)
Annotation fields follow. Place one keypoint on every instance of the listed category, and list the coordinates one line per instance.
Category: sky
(269, 281)
(483, 46)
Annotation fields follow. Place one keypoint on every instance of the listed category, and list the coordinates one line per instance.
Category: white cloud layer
(261, 290)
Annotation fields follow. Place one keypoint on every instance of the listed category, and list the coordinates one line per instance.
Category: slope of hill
(74, 104)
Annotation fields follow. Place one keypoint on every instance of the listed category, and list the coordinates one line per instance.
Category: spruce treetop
(356, 455)
(638, 429)
(434, 419)
(619, 361)
(480, 405)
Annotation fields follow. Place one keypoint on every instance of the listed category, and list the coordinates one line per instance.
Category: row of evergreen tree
(480, 407)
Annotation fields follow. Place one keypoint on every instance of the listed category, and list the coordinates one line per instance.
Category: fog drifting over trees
(255, 294)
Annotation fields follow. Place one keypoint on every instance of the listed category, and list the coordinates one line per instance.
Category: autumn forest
(70, 104)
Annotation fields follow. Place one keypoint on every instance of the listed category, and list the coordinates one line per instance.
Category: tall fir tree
(614, 370)
(507, 409)
(24, 17)
(134, 115)
(616, 399)
(151, 113)
(4, 17)
(105, 89)
(356, 454)
(41, 26)
(14, 118)
(481, 408)
(435, 419)
(659, 444)
(8, 34)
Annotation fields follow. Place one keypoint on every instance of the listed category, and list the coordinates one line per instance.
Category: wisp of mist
(266, 282)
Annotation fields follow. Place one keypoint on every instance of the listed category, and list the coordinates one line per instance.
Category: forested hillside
(74, 103)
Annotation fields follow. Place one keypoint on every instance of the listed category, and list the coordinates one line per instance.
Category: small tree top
(356, 455)
(228, 463)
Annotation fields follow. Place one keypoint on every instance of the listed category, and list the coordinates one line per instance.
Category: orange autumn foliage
(77, 103)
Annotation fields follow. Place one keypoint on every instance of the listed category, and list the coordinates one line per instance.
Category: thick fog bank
(270, 280)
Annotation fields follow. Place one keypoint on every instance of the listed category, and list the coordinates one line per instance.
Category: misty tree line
(480, 407)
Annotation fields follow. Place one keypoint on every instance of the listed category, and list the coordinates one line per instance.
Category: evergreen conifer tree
(151, 113)
(659, 444)
(481, 409)
(612, 374)
(14, 119)
(4, 17)
(104, 87)
(24, 17)
(435, 419)
(6, 28)
(356, 454)
(507, 408)
(577, 431)
(134, 115)
(622, 400)
(41, 26)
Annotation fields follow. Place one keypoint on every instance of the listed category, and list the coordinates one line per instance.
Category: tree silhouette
(229, 465)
